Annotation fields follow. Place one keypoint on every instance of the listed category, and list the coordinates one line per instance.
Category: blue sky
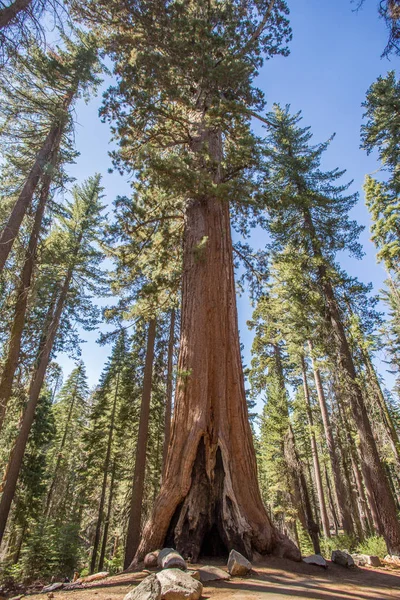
(335, 56)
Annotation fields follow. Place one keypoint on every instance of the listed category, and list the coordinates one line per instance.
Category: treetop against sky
(334, 58)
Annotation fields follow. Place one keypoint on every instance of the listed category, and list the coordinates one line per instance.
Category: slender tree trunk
(368, 514)
(108, 517)
(375, 479)
(314, 450)
(9, 13)
(341, 496)
(59, 454)
(11, 363)
(106, 467)
(331, 502)
(295, 465)
(300, 490)
(203, 501)
(11, 229)
(135, 515)
(385, 413)
(17, 454)
(168, 400)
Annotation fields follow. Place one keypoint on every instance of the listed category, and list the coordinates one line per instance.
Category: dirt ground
(274, 579)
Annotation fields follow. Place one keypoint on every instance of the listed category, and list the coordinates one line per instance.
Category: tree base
(209, 521)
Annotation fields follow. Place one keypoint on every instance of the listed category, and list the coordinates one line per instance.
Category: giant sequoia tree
(181, 112)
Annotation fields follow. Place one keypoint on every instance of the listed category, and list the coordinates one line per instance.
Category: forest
(181, 441)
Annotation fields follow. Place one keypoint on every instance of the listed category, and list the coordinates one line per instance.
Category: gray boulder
(151, 560)
(209, 573)
(362, 560)
(177, 585)
(238, 565)
(342, 558)
(148, 589)
(169, 558)
(316, 559)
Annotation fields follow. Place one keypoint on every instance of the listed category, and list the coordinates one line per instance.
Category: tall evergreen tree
(191, 88)
(71, 248)
(309, 208)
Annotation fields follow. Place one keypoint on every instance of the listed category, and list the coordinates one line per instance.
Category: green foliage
(374, 545)
(337, 542)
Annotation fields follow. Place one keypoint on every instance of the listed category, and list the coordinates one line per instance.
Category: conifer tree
(71, 248)
(38, 94)
(191, 88)
(70, 413)
(308, 207)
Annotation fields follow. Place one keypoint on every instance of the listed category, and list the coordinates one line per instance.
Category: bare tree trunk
(21, 303)
(168, 400)
(203, 503)
(106, 467)
(374, 475)
(295, 466)
(314, 451)
(135, 515)
(300, 490)
(342, 499)
(108, 517)
(9, 13)
(331, 502)
(17, 453)
(367, 515)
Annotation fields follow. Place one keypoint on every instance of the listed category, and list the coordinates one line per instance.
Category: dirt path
(275, 579)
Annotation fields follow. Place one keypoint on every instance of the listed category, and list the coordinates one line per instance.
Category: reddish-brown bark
(209, 500)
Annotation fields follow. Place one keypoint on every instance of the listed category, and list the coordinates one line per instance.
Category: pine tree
(309, 209)
(38, 94)
(71, 249)
(70, 413)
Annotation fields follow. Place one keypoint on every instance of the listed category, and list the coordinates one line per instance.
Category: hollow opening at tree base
(212, 545)
(198, 528)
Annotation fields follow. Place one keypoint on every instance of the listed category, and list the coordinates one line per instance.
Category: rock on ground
(316, 559)
(238, 565)
(177, 585)
(151, 560)
(366, 559)
(342, 558)
(148, 589)
(169, 558)
(209, 573)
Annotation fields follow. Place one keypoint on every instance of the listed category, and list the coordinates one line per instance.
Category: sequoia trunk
(209, 500)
